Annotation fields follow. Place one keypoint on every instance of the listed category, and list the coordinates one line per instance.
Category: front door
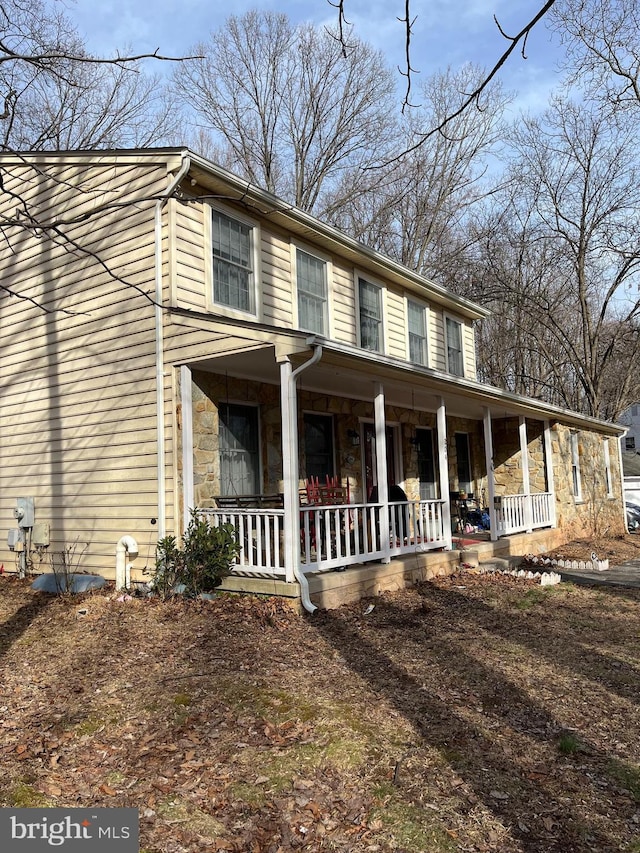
(426, 464)
(370, 459)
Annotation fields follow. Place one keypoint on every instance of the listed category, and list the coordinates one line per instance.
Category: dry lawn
(473, 713)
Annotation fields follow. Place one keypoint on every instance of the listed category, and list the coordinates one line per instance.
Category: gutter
(173, 184)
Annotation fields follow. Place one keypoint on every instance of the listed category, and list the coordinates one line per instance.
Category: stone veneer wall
(507, 458)
(597, 513)
(207, 390)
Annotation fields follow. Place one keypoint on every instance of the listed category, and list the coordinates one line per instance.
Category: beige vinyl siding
(78, 425)
(436, 342)
(277, 284)
(188, 277)
(190, 271)
(396, 325)
(469, 351)
(343, 302)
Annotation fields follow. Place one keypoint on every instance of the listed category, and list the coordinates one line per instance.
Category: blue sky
(446, 32)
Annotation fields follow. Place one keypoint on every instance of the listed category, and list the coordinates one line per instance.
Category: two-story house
(175, 338)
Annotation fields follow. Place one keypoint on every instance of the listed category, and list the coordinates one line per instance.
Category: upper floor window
(417, 324)
(370, 301)
(233, 262)
(453, 334)
(311, 273)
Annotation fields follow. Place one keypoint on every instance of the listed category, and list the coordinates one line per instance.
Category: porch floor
(329, 590)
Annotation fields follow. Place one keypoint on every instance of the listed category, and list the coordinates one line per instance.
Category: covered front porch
(408, 459)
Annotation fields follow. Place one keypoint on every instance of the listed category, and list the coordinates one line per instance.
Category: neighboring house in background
(630, 442)
(184, 339)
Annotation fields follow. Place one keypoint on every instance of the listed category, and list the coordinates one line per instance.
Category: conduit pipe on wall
(126, 547)
(173, 184)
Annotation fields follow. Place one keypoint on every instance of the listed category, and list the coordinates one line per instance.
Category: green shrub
(206, 558)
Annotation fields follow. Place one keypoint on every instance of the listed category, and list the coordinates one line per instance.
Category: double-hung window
(239, 449)
(453, 332)
(311, 273)
(370, 301)
(233, 263)
(417, 326)
(575, 467)
(318, 445)
(607, 468)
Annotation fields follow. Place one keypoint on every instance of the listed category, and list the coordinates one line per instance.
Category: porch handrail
(260, 534)
(332, 536)
(522, 512)
(347, 534)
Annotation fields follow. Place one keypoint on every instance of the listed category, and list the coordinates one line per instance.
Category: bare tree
(57, 95)
(292, 111)
(577, 193)
(418, 212)
(518, 40)
(602, 49)
(94, 107)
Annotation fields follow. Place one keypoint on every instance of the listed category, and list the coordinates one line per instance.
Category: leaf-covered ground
(472, 713)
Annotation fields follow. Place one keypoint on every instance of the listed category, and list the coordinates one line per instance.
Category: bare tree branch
(408, 22)
(342, 22)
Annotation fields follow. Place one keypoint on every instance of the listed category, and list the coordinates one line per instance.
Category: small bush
(201, 564)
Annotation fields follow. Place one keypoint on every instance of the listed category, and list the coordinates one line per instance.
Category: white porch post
(381, 470)
(188, 497)
(548, 461)
(289, 408)
(443, 471)
(526, 480)
(491, 480)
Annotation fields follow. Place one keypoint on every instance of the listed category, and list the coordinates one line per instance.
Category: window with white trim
(370, 302)
(575, 467)
(318, 445)
(311, 277)
(233, 262)
(239, 449)
(417, 329)
(453, 343)
(607, 468)
(426, 464)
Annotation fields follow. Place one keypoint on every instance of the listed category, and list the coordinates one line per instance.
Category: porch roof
(351, 372)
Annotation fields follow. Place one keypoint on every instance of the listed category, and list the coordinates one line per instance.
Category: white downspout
(291, 473)
(127, 546)
(162, 501)
(622, 491)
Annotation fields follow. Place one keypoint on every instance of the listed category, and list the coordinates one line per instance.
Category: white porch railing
(331, 537)
(518, 513)
(260, 536)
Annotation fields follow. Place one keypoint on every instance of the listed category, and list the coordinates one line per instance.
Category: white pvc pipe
(290, 443)
(126, 547)
(175, 182)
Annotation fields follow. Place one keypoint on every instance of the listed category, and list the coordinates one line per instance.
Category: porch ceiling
(355, 374)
